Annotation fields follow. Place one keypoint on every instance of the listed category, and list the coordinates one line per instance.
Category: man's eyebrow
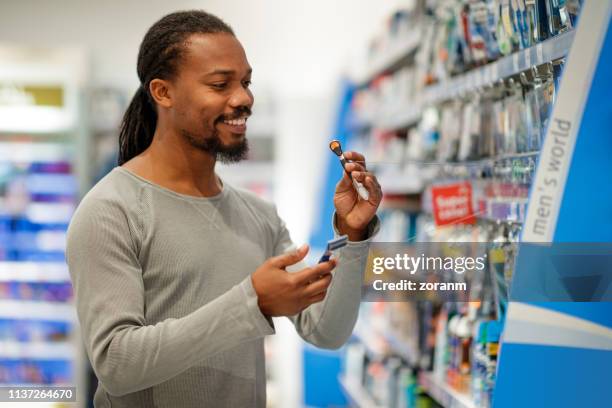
(227, 72)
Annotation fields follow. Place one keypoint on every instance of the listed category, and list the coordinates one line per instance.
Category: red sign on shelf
(452, 204)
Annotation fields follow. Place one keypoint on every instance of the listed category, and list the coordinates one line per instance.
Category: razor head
(333, 245)
(335, 147)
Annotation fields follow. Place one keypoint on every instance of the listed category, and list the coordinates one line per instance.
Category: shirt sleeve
(126, 353)
(329, 324)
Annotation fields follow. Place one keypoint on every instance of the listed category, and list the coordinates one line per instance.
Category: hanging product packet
(491, 37)
(521, 119)
(498, 112)
(559, 19)
(520, 23)
(510, 137)
(534, 124)
(478, 31)
(532, 22)
(464, 33)
(470, 127)
(450, 120)
(486, 146)
(545, 99)
(506, 36)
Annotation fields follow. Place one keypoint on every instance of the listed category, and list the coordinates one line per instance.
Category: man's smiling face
(212, 99)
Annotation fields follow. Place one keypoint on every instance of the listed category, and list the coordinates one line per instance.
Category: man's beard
(213, 145)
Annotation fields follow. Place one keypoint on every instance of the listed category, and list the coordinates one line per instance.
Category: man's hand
(354, 214)
(281, 293)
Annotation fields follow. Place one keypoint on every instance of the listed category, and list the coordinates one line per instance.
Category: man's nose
(241, 97)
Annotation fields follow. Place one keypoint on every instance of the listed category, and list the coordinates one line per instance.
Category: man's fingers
(318, 286)
(356, 157)
(308, 275)
(361, 175)
(374, 188)
(319, 297)
(289, 258)
(350, 167)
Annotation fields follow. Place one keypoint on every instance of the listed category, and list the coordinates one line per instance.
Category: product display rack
(444, 394)
(358, 396)
(510, 65)
(42, 172)
(388, 124)
(397, 51)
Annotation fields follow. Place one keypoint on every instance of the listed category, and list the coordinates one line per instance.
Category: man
(176, 273)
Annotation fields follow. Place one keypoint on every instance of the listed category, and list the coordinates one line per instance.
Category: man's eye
(220, 85)
(246, 84)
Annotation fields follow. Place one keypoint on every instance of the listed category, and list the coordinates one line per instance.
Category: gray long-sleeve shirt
(168, 313)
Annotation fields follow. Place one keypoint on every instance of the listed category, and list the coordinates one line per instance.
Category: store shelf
(443, 393)
(401, 348)
(374, 344)
(52, 213)
(401, 182)
(358, 397)
(20, 309)
(546, 51)
(37, 350)
(30, 152)
(34, 272)
(398, 50)
(379, 344)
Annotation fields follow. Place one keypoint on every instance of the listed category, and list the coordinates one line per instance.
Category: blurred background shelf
(358, 397)
(443, 393)
(38, 350)
(55, 311)
(34, 272)
(405, 114)
(397, 51)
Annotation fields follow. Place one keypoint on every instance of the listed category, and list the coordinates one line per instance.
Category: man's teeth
(235, 122)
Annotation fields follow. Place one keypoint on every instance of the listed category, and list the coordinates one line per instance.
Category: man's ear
(161, 92)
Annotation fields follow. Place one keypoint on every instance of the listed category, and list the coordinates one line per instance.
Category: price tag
(515, 63)
(540, 54)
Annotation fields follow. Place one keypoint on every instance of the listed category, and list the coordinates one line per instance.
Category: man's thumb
(290, 258)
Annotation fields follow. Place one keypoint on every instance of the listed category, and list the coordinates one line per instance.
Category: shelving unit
(37, 350)
(358, 397)
(43, 155)
(20, 309)
(510, 65)
(402, 349)
(405, 107)
(443, 393)
(397, 51)
(33, 272)
(379, 344)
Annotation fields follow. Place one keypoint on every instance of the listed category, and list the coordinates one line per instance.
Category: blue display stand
(559, 354)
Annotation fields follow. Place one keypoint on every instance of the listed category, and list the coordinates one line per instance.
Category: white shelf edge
(443, 393)
(513, 64)
(368, 340)
(38, 350)
(34, 272)
(399, 49)
(357, 395)
(25, 309)
(401, 348)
